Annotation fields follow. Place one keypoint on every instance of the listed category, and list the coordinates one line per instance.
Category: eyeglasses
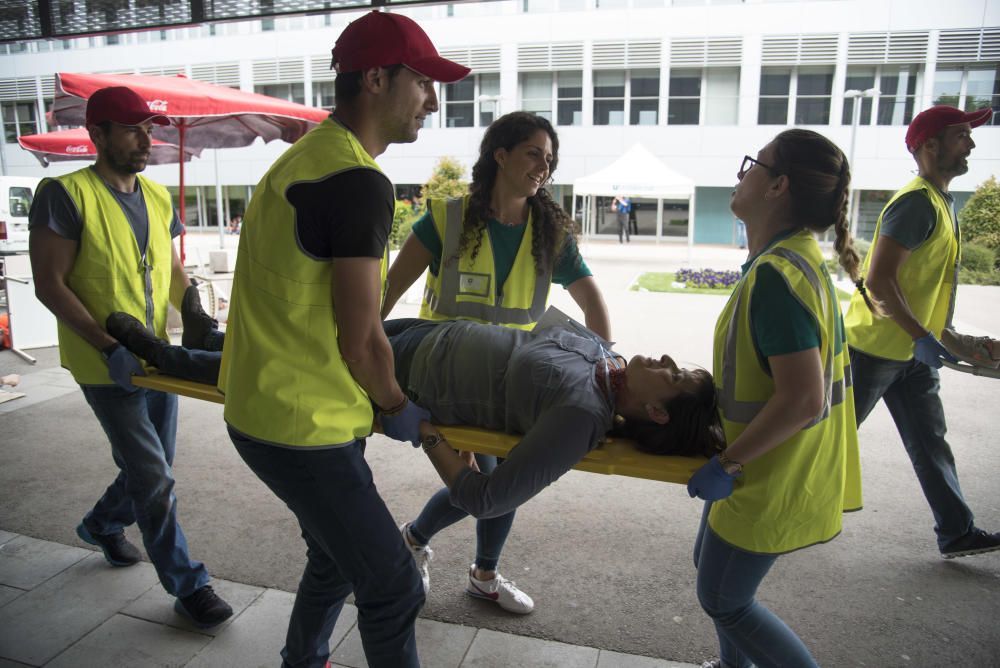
(748, 163)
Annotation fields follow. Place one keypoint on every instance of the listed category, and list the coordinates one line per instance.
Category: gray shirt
(540, 385)
(911, 218)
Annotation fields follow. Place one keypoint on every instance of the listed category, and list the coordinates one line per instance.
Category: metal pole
(218, 202)
(855, 95)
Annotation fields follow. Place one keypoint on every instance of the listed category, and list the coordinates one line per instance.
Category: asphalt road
(607, 559)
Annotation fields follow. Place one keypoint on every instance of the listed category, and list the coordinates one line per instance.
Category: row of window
(708, 96)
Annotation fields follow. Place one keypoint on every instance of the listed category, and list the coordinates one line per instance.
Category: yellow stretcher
(615, 457)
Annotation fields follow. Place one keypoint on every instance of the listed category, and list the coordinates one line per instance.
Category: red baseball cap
(379, 39)
(929, 122)
(119, 104)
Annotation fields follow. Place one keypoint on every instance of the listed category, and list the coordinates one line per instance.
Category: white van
(16, 193)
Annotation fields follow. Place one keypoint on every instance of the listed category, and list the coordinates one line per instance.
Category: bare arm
(179, 280)
(412, 261)
(588, 297)
(363, 345)
(888, 256)
(798, 398)
(52, 260)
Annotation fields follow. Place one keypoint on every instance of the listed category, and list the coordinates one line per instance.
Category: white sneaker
(421, 555)
(500, 590)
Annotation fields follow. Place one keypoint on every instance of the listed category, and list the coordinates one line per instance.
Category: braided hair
(550, 224)
(819, 178)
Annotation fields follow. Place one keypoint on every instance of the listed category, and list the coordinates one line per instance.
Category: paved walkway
(64, 606)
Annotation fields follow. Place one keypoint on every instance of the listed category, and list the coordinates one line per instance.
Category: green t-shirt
(506, 240)
(780, 323)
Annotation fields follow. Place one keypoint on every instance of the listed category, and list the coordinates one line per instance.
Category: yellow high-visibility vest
(928, 279)
(792, 496)
(465, 289)
(111, 273)
(284, 379)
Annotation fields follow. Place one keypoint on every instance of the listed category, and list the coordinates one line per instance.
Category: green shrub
(402, 221)
(968, 277)
(978, 258)
(980, 217)
(833, 262)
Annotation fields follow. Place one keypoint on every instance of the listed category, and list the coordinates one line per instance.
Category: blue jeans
(749, 634)
(352, 544)
(911, 392)
(142, 429)
(491, 534)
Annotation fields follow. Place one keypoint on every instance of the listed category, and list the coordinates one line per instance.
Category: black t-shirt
(348, 214)
(53, 208)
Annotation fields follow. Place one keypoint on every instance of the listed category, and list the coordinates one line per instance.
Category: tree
(980, 217)
(446, 180)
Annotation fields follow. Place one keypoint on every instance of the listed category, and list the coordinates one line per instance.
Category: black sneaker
(976, 541)
(197, 324)
(117, 550)
(204, 608)
(135, 337)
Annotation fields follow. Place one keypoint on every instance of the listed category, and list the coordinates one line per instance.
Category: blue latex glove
(122, 365)
(404, 424)
(711, 482)
(928, 349)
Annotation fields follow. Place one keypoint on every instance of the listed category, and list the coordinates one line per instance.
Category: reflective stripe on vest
(442, 294)
(745, 411)
(110, 272)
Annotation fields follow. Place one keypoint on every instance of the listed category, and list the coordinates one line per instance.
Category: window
(323, 94)
(644, 97)
(858, 78)
(772, 108)
(536, 93)
(684, 105)
(722, 95)
(609, 98)
(968, 87)
(639, 90)
(292, 92)
(20, 201)
(569, 98)
(898, 85)
(812, 101)
(463, 98)
(19, 118)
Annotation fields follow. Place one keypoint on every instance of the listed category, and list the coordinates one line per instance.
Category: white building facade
(699, 83)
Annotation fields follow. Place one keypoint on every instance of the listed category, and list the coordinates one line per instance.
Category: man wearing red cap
(101, 241)
(912, 268)
(306, 365)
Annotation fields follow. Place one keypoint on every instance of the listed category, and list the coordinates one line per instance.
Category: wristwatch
(431, 441)
(728, 465)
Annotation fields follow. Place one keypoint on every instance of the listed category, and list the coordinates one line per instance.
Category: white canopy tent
(637, 173)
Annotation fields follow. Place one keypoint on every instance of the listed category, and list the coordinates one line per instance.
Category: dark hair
(550, 223)
(347, 85)
(818, 180)
(694, 429)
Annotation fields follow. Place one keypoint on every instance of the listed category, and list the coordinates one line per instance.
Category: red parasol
(202, 115)
(75, 144)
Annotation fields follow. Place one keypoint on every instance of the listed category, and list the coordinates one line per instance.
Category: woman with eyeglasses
(492, 256)
(782, 372)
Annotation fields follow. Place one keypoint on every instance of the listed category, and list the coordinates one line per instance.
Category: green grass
(661, 281)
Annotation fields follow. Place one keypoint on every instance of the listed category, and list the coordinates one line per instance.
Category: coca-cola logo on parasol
(158, 105)
(78, 148)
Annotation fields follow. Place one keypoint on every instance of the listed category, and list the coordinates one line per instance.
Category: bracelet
(725, 462)
(398, 407)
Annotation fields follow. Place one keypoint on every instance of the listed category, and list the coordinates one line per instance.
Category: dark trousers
(352, 544)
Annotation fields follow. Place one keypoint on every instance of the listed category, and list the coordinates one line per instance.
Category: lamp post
(856, 96)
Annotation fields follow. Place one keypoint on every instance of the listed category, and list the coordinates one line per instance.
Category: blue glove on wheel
(404, 424)
(122, 365)
(711, 482)
(928, 349)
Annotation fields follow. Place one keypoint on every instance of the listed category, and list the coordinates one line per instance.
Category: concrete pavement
(607, 559)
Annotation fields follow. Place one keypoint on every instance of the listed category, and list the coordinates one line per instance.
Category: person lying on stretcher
(562, 389)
